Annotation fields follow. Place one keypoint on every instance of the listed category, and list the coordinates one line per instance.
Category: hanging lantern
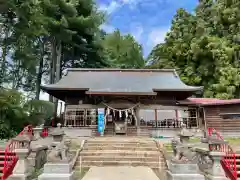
(120, 114)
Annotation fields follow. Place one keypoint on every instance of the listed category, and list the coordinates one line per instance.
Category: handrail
(10, 158)
(229, 161)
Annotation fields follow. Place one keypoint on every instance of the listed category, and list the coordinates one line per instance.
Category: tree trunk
(53, 65)
(58, 68)
(40, 70)
(3, 66)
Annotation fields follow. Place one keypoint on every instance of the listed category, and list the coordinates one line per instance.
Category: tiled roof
(145, 81)
(209, 101)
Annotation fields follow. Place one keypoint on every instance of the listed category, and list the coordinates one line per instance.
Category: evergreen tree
(204, 48)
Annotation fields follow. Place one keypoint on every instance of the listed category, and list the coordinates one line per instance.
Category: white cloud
(108, 28)
(157, 36)
(116, 4)
(137, 32)
(132, 3)
(110, 8)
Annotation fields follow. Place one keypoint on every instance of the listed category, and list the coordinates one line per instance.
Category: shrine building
(130, 101)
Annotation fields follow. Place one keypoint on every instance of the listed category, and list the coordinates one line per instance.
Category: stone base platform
(120, 173)
(186, 176)
(19, 177)
(210, 177)
(57, 172)
(184, 171)
(56, 176)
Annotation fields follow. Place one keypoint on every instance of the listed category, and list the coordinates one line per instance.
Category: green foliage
(204, 48)
(39, 111)
(122, 51)
(41, 38)
(16, 112)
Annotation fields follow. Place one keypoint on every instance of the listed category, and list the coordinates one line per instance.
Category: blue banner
(101, 120)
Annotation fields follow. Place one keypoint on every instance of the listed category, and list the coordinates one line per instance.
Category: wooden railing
(229, 163)
(10, 158)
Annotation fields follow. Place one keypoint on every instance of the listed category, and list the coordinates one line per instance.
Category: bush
(16, 113)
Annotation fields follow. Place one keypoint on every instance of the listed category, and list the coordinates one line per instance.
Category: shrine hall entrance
(120, 116)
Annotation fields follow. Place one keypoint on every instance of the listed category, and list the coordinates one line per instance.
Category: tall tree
(123, 51)
(203, 48)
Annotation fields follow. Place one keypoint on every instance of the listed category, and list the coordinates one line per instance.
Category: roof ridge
(119, 69)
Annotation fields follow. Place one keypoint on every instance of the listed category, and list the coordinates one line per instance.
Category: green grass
(36, 173)
(234, 142)
(75, 144)
(168, 146)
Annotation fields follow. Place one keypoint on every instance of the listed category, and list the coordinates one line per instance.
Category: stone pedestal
(182, 171)
(38, 156)
(57, 172)
(217, 172)
(37, 131)
(22, 170)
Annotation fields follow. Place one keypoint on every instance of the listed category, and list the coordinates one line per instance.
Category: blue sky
(147, 20)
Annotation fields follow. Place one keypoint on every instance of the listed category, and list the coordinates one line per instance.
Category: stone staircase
(109, 130)
(131, 131)
(120, 151)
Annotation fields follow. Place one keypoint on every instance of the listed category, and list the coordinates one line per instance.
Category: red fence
(229, 161)
(10, 158)
(44, 132)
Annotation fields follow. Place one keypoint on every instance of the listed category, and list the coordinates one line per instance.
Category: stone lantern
(37, 132)
(216, 172)
(217, 153)
(57, 135)
(185, 135)
(22, 169)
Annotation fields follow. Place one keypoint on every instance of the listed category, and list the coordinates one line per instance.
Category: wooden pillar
(156, 115)
(176, 114)
(137, 117)
(65, 115)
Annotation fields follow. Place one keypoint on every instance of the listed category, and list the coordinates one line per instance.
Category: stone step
(120, 163)
(120, 158)
(113, 147)
(120, 153)
(122, 144)
(120, 140)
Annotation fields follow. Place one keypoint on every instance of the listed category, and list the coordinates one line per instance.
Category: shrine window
(80, 117)
(230, 115)
(192, 117)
